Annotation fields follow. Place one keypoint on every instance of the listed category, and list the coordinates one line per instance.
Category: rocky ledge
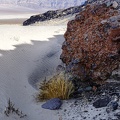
(92, 42)
(53, 14)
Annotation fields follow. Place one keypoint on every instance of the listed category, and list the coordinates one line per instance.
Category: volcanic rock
(92, 43)
(102, 102)
(52, 104)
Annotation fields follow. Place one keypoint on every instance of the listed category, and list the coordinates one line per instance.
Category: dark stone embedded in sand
(92, 43)
(102, 102)
(60, 69)
(118, 115)
(52, 104)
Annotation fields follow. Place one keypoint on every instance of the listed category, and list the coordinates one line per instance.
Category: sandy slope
(27, 54)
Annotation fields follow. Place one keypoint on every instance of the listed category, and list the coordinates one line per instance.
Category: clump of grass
(56, 87)
(10, 110)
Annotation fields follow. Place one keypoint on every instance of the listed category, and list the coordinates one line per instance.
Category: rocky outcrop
(91, 49)
(52, 15)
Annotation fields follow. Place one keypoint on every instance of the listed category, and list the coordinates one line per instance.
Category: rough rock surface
(92, 43)
(102, 102)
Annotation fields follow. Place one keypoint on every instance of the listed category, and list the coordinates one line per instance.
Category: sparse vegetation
(56, 87)
(11, 110)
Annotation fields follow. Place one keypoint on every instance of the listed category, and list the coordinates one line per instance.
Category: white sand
(25, 50)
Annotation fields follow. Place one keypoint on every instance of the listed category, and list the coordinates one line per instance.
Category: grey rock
(87, 89)
(103, 21)
(52, 104)
(75, 61)
(102, 102)
(60, 68)
(115, 4)
(109, 4)
(80, 90)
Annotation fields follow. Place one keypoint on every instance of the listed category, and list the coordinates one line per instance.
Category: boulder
(52, 104)
(92, 43)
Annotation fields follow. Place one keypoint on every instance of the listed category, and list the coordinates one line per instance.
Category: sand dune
(28, 54)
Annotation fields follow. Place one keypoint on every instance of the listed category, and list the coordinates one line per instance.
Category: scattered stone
(112, 106)
(103, 21)
(52, 104)
(115, 77)
(109, 4)
(87, 89)
(60, 68)
(80, 90)
(102, 102)
(118, 115)
(115, 4)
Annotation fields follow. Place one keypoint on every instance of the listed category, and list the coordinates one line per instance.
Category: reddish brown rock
(92, 43)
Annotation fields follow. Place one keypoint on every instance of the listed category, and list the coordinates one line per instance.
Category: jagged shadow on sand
(37, 60)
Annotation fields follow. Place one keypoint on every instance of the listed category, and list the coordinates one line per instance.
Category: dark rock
(80, 90)
(115, 105)
(52, 104)
(112, 106)
(102, 102)
(76, 94)
(52, 15)
(118, 115)
(115, 77)
(60, 68)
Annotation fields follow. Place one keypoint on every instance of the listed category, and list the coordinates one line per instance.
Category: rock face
(91, 49)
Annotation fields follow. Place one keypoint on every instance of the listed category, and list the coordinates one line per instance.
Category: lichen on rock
(92, 43)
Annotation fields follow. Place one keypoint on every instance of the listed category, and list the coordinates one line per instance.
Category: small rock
(52, 104)
(103, 94)
(115, 4)
(87, 89)
(60, 68)
(115, 105)
(103, 21)
(108, 4)
(112, 106)
(80, 90)
(102, 102)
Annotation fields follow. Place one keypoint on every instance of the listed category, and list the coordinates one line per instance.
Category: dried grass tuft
(56, 87)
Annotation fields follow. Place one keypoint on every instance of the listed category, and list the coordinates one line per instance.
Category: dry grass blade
(56, 87)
